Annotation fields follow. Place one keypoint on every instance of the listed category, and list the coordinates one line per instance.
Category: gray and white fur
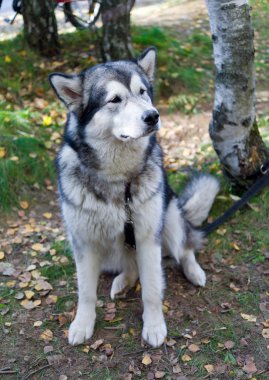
(109, 142)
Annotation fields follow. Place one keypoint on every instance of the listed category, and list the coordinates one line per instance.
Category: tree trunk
(40, 27)
(116, 39)
(233, 128)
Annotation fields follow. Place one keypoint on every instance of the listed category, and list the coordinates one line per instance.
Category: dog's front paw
(80, 330)
(155, 334)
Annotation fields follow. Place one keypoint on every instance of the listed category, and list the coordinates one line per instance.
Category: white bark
(233, 127)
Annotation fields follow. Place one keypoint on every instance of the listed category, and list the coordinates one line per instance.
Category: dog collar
(129, 234)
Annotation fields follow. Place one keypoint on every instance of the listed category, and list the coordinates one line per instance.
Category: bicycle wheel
(82, 13)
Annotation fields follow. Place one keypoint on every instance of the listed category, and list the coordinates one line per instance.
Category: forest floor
(217, 332)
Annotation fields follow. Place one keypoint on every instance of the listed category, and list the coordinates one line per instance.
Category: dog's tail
(198, 197)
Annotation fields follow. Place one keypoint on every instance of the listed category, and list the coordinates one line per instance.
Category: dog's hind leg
(88, 269)
(122, 283)
(127, 277)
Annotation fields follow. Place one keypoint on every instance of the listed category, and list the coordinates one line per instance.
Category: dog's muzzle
(151, 119)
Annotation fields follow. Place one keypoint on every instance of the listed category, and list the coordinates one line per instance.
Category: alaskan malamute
(119, 211)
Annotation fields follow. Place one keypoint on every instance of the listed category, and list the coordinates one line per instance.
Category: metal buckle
(263, 169)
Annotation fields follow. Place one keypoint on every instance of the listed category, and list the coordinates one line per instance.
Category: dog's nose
(150, 118)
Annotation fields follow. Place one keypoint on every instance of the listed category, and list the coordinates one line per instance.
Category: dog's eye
(116, 99)
(142, 91)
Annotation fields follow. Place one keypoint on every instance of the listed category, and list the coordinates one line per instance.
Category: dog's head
(112, 99)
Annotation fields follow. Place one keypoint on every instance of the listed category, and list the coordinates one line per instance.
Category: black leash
(262, 182)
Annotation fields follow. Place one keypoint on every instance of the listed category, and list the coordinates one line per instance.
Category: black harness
(129, 224)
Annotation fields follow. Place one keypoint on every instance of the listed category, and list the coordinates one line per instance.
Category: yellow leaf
(47, 215)
(7, 59)
(47, 121)
(266, 323)
(97, 344)
(37, 247)
(146, 360)
(11, 284)
(193, 348)
(38, 323)
(2, 152)
(14, 158)
(249, 317)
(23, 284)
(24, 204)
(47, 335)
(29, 294)
(2, 255)
(51, 299)
(265, 333)
(209, 368)
(29, 305)
(86, 349)
(186, 358)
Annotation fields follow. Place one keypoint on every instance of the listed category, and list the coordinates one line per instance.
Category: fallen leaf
(24, 204)
(146, 360)
(47, 121)
(186, 358)
(37, 247)
(55, 359)
(11, 284)
(38, 323)
(193, 348)
(250, 366)
(159, 374)
(46, 335)
(86, 349)
(48, 349)
(97, 344)
(19, 296)
(209, 368)
(29, 305)
(47, 215)
(266, 323)
(29, 294)
(176, 368)
(63, 377)
(51, 299)
(249, 317)
(265, 333)
(234, 287)
(229, 344)
(170, 342)
(2, 255)
(42, 285)
(2, 152)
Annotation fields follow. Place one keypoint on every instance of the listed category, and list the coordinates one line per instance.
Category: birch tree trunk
(233, 128)
(40, 27)
(116, 39)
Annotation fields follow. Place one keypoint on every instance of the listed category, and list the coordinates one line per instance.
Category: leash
(262, 176)
(263, 180)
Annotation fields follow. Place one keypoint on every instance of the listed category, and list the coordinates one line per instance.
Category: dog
(119, 211)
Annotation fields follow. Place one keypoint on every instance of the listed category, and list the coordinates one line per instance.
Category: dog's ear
(68, 89)
(147, 61)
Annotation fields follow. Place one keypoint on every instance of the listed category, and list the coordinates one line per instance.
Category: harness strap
(262, 182)
(129, 234)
